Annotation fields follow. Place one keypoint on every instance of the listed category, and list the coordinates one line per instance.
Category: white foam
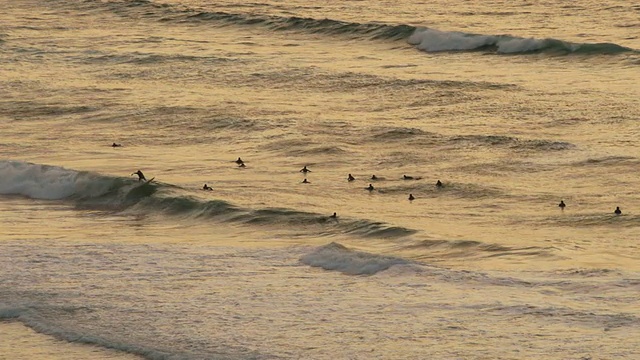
(433, 40)
(337, 257)
(520, 45)
(47, 182)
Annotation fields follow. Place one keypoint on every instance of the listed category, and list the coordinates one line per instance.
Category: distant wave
(418, 137)
(311, 25)
(400, 134)
(512, 142)
(606, 218)
(141, 58)
(425, 39)
(588, 272)
(89, 190)
(337, 257)
(608, 161)
(477, 249)
(568, 315)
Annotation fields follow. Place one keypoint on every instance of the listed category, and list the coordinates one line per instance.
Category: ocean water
(512, 105)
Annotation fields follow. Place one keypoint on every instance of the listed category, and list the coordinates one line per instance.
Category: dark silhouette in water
(305, 170)
(207, 187)
(305, 181)
(562, 205)
(370, 188)
(411, 197)
(239, 161)
(334, 216)
(373, 177)
(405, 177)
(439, 184)
(242, 165)
(618, 211)
(116, 145)
(140, 175)
(350, 178)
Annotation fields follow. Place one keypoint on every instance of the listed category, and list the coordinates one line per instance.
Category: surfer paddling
(140, 175)
(305, 170)
(207, 187)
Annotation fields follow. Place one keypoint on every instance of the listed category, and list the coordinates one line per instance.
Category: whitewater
(512, 106)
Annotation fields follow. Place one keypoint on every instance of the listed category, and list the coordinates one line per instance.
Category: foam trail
(29, 318)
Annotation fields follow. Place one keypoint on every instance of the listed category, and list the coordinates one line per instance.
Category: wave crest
(337, 257)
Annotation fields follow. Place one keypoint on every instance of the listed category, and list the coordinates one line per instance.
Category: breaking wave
(433, 40)
(337, 257)
(87, 190)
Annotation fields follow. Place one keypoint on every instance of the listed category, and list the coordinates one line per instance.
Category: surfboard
(150, 180)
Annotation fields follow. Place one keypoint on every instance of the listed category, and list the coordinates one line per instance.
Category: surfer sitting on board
(140, 175)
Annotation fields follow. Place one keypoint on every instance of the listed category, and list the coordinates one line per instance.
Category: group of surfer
(617, 211)
(439, 184)
(350, 178)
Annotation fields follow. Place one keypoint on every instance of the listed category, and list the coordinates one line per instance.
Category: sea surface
(513, 105)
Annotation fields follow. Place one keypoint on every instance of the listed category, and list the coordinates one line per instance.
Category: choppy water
(514, 106)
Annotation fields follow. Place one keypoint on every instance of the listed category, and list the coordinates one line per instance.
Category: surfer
(618, 211)
(334, 216)
(140, 175)
(373, 177)
(562, 205)
(407, 177)
(370, 188)
(116, 145)
(439, 184)
(239, 161)
(305, 181)
(350, 178)
(207, 187)
(411, 197)
(305, 170)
